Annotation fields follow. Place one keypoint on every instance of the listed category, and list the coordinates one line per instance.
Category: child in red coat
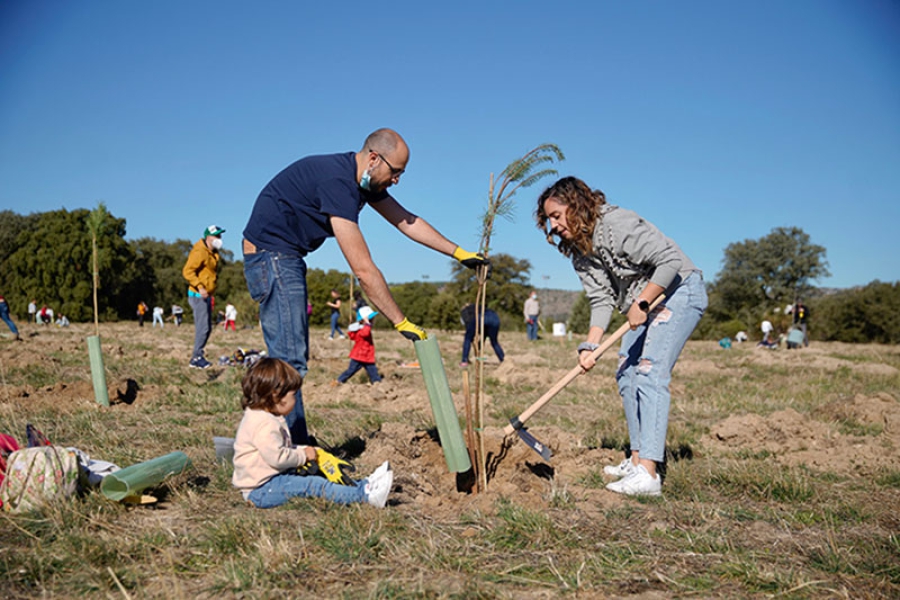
(362, 356)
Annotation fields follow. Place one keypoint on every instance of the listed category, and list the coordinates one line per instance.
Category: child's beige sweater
(262, 450)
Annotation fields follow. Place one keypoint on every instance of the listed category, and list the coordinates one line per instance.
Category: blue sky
(717, 121)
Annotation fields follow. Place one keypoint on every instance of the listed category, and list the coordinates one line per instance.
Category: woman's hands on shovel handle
(586, 349)
(637, 315)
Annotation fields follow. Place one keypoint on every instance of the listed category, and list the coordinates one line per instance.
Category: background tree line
(46, 257)
(760, 278)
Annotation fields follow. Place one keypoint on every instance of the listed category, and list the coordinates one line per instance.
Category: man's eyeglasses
(394, 171)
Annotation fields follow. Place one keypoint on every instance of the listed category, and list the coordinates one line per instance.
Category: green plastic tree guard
(445, 416)
(136, 478)
(98, 373)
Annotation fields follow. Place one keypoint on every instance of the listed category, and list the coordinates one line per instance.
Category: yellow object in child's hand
(334, 469)
(308, 468)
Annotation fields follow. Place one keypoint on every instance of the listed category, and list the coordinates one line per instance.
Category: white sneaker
(381, 470)
(623, 469)
(639, 483)
(378, 485)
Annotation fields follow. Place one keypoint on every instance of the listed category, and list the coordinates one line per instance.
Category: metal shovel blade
(534, 444)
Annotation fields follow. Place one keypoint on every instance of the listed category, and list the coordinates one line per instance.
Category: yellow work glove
(472, 260)
(333, 468)
(410, 331)
(308, 468)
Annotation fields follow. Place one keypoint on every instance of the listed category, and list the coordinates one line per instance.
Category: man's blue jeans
(646, 360)
(531, 327)
(202, 308)
(283, 487)
(278, 282)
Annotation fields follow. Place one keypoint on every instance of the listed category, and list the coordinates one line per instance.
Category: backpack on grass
(36, 475)
(8, 445)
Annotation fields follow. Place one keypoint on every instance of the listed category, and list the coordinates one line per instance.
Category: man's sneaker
(639, 483)
(199, 362)
(378, 485)
(464, 364)
(623, 469)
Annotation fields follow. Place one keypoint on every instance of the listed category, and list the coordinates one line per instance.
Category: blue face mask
(365, 180)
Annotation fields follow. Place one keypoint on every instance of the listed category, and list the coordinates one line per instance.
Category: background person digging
(491, 331)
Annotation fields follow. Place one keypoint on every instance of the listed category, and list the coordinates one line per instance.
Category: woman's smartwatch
(644, 305)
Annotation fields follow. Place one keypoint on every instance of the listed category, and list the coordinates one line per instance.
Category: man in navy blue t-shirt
(313, 199)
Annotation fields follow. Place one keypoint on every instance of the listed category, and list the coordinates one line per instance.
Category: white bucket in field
(559, 330)
(224, 449)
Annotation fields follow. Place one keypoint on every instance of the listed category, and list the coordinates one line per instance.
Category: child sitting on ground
(265, 461)
(362, 355)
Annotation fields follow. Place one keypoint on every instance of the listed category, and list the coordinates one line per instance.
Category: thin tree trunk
(96, 284)
(480, 303)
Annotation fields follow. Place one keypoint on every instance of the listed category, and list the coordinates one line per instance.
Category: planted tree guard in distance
(445, 416)
(136, 478)
(98, 373)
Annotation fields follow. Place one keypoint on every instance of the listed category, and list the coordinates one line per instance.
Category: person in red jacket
(362, 356)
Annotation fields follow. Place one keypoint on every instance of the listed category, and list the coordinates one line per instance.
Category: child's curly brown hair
(583, 209)
(267, 381)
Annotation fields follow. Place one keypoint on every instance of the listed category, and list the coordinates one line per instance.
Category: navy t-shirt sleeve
(343, 198)
(291, 213)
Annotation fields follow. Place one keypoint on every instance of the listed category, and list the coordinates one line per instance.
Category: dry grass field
(782, 479)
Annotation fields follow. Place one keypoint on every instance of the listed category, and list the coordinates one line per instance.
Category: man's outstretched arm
(419, 230)
(414, 227)
(353, 245)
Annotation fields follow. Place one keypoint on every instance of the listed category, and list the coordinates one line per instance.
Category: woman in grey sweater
(625, 262)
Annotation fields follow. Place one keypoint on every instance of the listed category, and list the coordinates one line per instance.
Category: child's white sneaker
(623, 469)
(379, 472)
(639, 483)
(378, 485)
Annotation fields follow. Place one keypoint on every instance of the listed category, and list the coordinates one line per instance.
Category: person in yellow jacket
(200, 271)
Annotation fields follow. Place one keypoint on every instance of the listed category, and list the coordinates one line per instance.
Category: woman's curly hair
(267, 382)
(583, 209)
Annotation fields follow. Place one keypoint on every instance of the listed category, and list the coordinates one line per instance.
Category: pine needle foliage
(519, 174)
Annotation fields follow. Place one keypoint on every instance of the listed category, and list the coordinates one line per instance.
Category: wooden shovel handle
(575, 372)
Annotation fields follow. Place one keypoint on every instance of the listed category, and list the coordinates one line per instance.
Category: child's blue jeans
(355, 365)
(285, 486)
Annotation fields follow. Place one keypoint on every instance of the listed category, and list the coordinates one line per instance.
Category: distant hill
(556, 305)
